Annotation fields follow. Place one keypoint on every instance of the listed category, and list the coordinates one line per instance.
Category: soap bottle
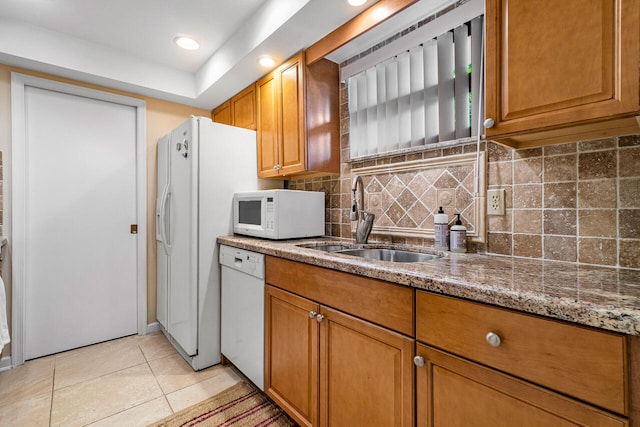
(458, 236)
(441, 231)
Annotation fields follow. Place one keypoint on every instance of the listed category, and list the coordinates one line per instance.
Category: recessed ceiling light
(266, 61)
(356, 2)
(187, 43)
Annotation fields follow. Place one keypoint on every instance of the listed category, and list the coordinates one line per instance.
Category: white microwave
(279, 214)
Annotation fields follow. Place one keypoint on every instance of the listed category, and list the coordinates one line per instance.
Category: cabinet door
(222, 114)
(243, 108)
(293, 142)
(454, 392)
(267, 94)
(291, 355)
(555, 63)
(366, 373)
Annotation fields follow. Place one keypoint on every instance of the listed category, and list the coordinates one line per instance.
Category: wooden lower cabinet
(291, 354)
(452, 391)
(366, 373)
(327, 368)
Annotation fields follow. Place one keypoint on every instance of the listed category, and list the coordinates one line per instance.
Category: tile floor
(132, 381)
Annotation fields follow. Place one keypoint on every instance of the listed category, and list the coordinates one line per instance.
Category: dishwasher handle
(251, 263)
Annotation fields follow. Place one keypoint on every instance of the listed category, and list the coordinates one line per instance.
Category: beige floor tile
(32, 412)
(138, 416)
(93, 400)
(173, 373)
(156, 345)
(95, 361)
(34, 378)
(131, 339)
(225, 377)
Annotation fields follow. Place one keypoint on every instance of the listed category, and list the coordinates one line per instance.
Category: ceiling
(128, 44)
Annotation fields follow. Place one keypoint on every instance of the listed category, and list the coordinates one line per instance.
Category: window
(426, 94)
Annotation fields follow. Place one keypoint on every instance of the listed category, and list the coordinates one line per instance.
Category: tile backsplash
(576, 202)
(405, 196)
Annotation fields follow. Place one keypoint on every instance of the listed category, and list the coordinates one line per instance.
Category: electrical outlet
(495, 202)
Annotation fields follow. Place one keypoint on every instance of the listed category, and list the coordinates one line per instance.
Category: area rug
(239, 406)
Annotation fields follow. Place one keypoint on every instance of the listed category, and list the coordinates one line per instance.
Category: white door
(80, 266)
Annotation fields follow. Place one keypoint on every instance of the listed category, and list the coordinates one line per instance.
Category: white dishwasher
(242, 311)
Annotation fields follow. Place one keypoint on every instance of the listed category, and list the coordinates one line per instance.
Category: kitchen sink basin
(392, 255)
(375, 253)
(330, 248)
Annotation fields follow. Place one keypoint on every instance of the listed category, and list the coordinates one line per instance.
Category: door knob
(418, 361)
(489, 123)
(319, 318)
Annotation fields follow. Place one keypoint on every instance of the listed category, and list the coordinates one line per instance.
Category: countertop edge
(604, 316)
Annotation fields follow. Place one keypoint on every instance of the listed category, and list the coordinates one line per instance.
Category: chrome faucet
(364, 218)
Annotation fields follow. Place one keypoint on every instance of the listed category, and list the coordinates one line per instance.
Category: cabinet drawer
(374, 300)
(585, 363)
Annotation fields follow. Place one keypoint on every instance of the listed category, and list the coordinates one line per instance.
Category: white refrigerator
(200, 165)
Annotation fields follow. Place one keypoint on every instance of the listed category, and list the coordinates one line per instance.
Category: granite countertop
(606, 298)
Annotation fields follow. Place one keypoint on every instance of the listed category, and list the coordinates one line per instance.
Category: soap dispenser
(441, 231)
(458, 236)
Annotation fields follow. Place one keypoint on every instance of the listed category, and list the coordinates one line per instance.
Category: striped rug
(239, 406)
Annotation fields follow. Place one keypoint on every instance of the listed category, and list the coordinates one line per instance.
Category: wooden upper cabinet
(222, 113)
(238, 111)
(267, 132)
(298, 119)
(561, 70)
(243, 108)
(291, 145)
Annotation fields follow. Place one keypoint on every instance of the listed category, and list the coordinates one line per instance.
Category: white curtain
(420, 96)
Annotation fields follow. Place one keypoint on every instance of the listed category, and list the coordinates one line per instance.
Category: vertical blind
(425, 95)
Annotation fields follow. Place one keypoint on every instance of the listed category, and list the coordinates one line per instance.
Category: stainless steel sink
(391, 255)
(330, 248)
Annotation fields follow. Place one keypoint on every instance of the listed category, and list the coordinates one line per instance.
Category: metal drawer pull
(319, 318)
(313, 314)
(418, 361)
(493, 339)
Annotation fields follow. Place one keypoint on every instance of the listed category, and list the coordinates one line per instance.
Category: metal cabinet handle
(489, 123)
(493, 339)
(277, 167)
(418, 361)
(313, 314)
(319, 318)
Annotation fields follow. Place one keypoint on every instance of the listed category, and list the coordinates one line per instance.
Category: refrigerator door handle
(159, 219)
(162, 220)
(166, 224)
